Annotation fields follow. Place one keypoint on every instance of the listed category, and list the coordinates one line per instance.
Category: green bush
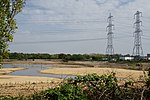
(63, 92)
(98, 87)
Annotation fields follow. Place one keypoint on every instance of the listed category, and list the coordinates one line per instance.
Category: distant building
(127, 58)
(148, 56)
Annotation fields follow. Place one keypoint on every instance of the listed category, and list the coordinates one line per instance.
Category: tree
(8, 10)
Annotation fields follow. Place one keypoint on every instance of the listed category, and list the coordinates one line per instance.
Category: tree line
(62, 56)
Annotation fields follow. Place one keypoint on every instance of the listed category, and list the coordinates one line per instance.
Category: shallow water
(33, 70)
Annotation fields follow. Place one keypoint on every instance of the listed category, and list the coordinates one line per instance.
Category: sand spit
(4, 71)
(122, 73)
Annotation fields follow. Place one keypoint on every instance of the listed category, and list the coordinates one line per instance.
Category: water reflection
(33, 70)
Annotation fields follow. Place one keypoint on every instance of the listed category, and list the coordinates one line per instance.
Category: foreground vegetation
(94, 87)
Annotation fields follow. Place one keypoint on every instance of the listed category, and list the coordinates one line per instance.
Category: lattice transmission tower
(137, 49)
(110, 49)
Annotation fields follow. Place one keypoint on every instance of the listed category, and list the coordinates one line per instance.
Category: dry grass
(26, 89)
(25, 85)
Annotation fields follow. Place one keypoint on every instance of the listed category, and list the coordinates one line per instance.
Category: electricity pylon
(110, 49)
(137, 49)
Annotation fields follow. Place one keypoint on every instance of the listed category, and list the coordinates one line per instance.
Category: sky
(79, 26)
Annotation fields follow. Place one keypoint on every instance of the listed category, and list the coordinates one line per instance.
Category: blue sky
(44, 25)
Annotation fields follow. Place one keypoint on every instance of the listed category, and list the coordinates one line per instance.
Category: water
(33, 70)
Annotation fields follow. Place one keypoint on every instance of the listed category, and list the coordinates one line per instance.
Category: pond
(33, 70)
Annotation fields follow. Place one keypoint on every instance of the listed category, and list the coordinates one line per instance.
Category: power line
(60, 41)
(146, 38)
(65, 30)
(146, 29)
(59, 21)
(146, 35)
(65, 41)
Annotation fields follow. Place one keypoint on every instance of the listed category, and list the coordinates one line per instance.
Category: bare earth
(122, 73)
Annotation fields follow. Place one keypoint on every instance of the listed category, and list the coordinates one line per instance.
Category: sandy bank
(25, 79)
(9, 70)
(122, 73)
